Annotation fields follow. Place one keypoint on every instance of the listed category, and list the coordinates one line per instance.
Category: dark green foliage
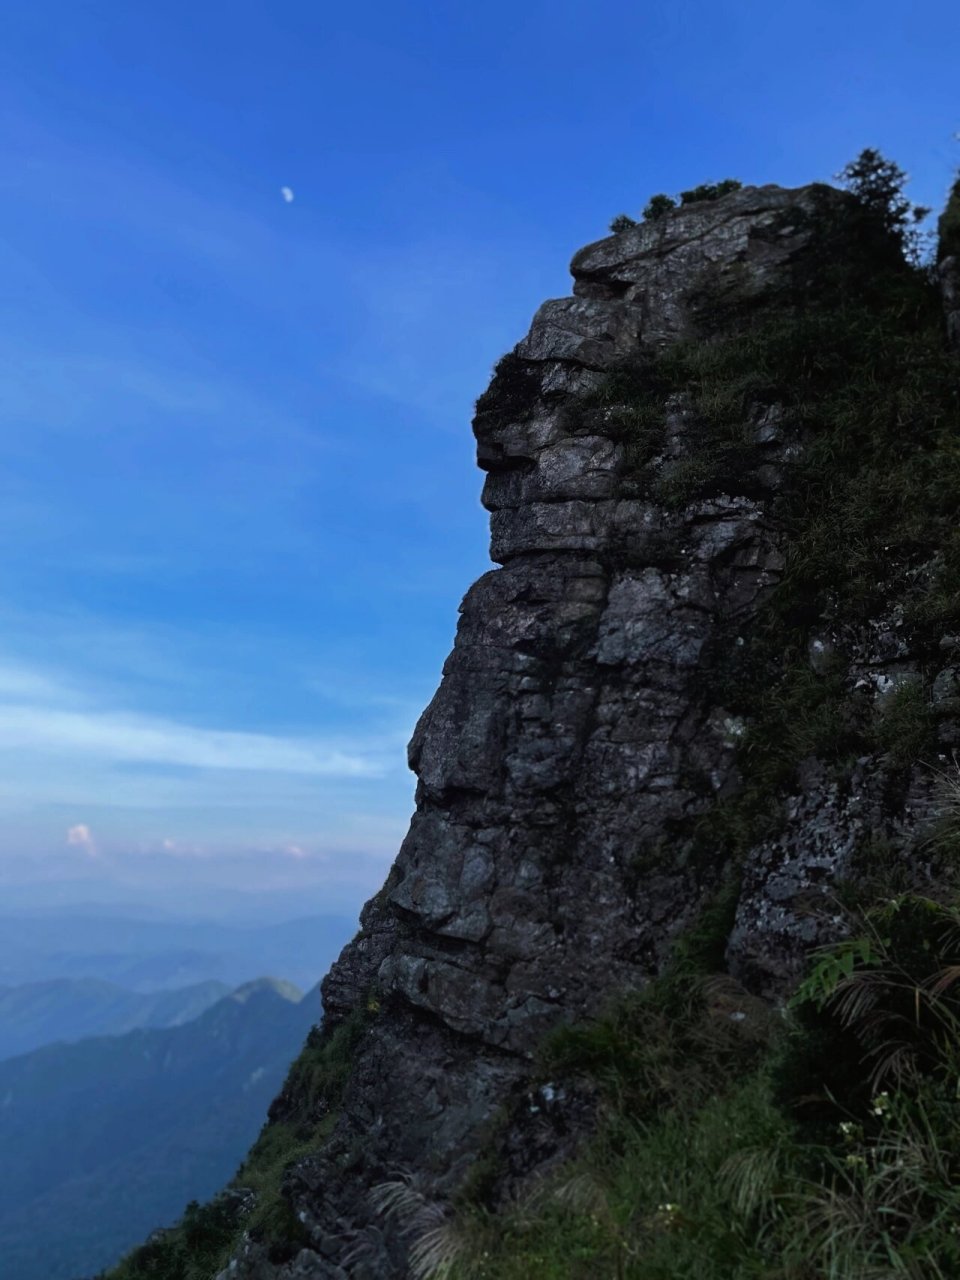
(192, 1251)
(876, 1011)
(622, 222)
(710, 191)
(877, 184)
(827, 1148)
(657, 206)
(672, 1044)
(948, 226)
(317, 1078)
(864, 382)
(702, 949)
(905, 725)
(514, 390)
(879, 867)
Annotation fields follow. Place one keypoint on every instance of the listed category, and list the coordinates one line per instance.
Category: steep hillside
(40, 1013)
(697, 723)
(103, 1140)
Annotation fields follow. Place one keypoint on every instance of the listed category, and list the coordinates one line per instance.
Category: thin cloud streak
(130, 738)
(81, 836)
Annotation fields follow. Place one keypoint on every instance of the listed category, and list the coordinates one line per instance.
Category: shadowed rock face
(950, 287)
(570, 731)
(949, 264)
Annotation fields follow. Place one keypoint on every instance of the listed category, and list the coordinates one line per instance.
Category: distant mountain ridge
(103, 1140)
(148, 955)
(70, 1009)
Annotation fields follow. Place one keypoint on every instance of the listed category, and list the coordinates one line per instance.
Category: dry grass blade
(436, 1253)
(398, 1198)
(894, 1061)
(753, 1175)
(941, 982)
(403, 1200)
(441, 1241)
(581, 1193)
(857, 995)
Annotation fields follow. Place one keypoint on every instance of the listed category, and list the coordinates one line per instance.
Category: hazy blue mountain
(163, 899)
(66, 1009)
(151, 954)
(103, 1140)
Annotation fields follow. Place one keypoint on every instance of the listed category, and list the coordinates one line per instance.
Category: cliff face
(575, 766)
(572, 733)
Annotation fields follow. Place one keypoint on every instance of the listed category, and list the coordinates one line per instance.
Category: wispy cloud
(20, 684)
(132, 738)
(64, 745)
(81, 836)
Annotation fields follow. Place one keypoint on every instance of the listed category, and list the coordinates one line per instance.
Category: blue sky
(239, 507)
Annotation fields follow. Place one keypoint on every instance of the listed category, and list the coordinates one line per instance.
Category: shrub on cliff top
(661, 203)
(657, 206)
(710, 191)
(878, 185)
(622, 222)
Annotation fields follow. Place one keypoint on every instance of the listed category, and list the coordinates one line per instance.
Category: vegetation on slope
(854, 360)
(823, 1144)
(660, 204)
(948, 226)
(734, 1145)
(301, 1119)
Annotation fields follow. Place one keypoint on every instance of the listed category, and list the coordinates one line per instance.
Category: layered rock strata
(572, 733)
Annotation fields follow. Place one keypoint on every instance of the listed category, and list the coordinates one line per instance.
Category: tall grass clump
(734, 1142)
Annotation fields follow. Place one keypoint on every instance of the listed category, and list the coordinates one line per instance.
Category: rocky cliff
(699, 684)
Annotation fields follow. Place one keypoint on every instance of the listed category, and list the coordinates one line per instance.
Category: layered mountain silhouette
(104, 1140)
(70, 1009)
(148, 955)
